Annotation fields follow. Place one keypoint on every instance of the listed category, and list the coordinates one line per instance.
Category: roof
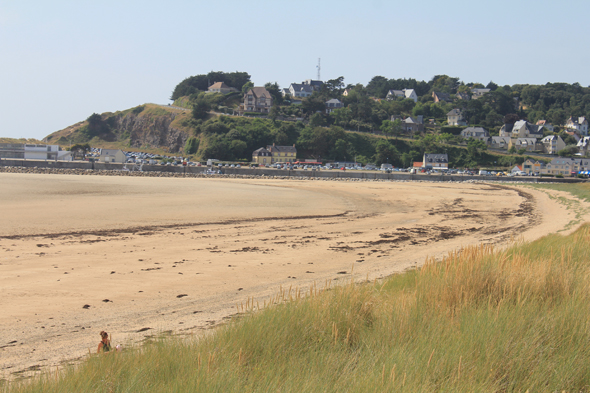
(108, 152)
(259, 92)
(436, 158)
(442, 96)
(219, 85)
(281, 149)
(408, 92)
(474, 131)
(261, 152)
(301, 87)
(454, 112)
(418, 164)
(334, 101)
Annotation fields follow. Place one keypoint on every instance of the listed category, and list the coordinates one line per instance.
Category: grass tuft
(480, 320)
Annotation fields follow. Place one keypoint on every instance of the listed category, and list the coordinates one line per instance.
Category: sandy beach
(136, 256)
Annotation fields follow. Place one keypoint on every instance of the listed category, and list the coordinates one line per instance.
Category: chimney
(274, 144)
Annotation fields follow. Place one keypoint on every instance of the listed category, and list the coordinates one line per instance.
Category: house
(528, 144)
(584, 145)
(521, 129)
(436, 161)
(552, 144)
(499, 142)
(463, 96)
(478, 133)
(28, 151)
(333, 104)
(579, 124)
(566, 166)
(257, 99)
(274, 154)
(544, 124)
(112, 156)
(303, 89)
(410, 124)
(532, 167)
(405, 93)
(393, 94)
(438, 97)
(455, 118)
(477, 93)
(262, 156)
(516, 169)
(346, 92)
(315, 85)
(221, 87)
(299, 90)
(282, 153)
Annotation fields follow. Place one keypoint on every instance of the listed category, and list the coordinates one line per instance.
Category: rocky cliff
(146, 126)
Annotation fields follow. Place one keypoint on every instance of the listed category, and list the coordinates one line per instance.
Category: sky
(61, 61)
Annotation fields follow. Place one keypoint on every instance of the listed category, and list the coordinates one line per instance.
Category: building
(257, 99)
(405, 93)
(112, 156)
(298, 90)
(544, 124)
(275, 154)
(552, 144)
(455, 118)
(441, 97)
(499, 142)
(262, 156)
(566, 166)
(521, 129)
(478, 133)
(28, 151)
(333, 104)
(584, 145)
(463, 96)
(435, 161)
(528, 144)
(477, 93)
(579, 124)
(532, 167)
(221, 87)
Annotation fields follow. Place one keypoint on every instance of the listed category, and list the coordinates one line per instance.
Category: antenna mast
(319, 68)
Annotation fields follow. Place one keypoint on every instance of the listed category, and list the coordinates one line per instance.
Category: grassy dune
(481, 320)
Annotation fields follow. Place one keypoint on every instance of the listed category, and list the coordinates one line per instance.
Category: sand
(137, 256)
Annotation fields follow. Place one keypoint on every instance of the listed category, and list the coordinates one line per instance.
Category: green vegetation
(480, 320)
(200, 83)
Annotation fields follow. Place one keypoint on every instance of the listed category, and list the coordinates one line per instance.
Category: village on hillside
(453, 117)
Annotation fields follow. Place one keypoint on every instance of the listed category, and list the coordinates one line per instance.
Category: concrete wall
(337, 174)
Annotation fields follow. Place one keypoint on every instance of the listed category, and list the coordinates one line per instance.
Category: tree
(80, 150)
(247, 86)
(191, 146)
(201, 108)
(275, 92)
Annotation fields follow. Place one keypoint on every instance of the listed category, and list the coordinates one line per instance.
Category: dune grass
(481, 320)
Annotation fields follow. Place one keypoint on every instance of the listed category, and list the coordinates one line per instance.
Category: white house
(435, 161)
(580, 125)
(584, 145)
(405, 93)
(478, 133)
(552, 144)
(521, 129)
(112, 155)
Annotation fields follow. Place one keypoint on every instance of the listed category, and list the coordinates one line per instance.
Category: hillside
(148, 127)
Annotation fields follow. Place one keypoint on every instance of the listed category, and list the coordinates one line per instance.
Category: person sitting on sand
(105, 343)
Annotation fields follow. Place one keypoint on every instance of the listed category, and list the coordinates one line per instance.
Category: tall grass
(480, 320)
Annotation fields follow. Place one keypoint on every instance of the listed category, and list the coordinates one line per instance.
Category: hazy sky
(61, 61)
